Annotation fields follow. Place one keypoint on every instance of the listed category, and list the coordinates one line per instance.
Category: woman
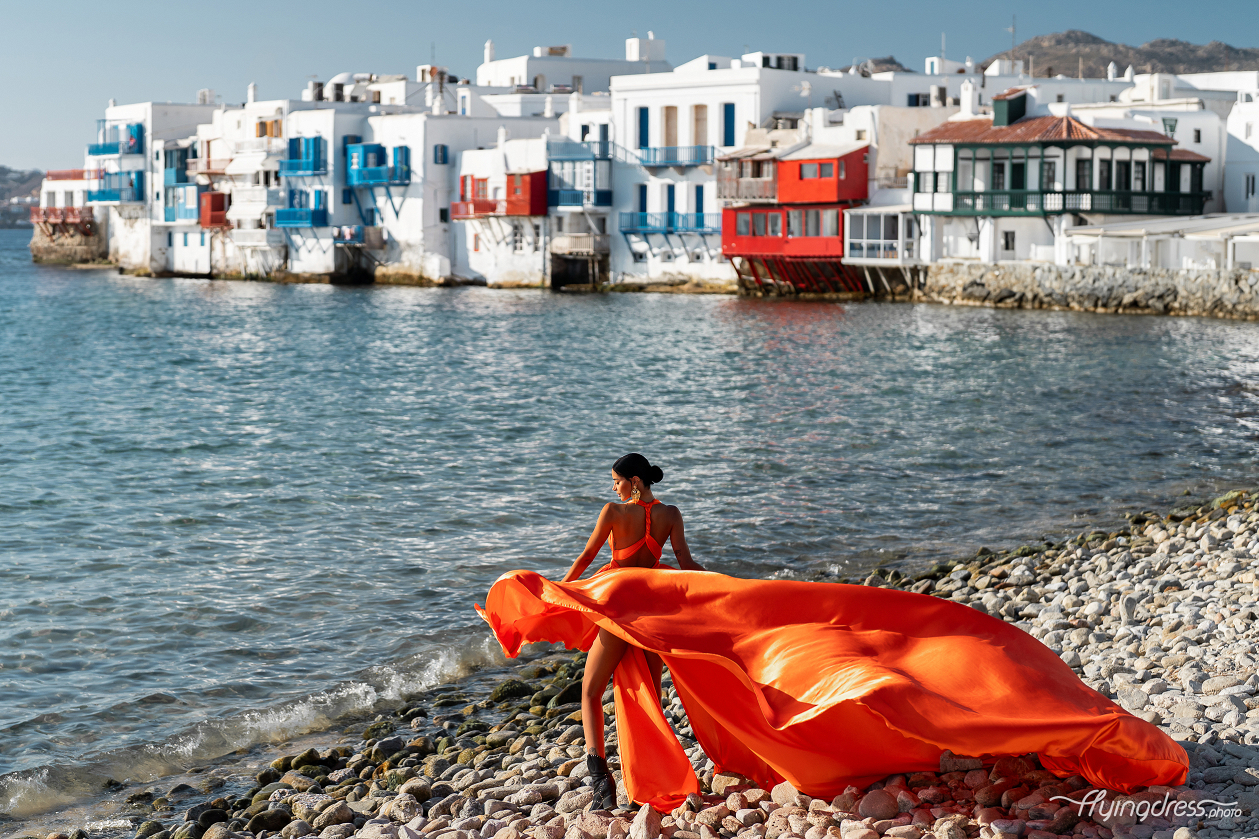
(819, 684)
(641, 527)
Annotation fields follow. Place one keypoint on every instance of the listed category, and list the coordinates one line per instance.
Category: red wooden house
(793, 233)
(524, 195)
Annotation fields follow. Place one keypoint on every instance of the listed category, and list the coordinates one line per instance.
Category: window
(1007, 240)
(347, 196)
(170, 239)
(698, 205)
(758, 224)
(842, 173)
(517, 239)
(443, 214)
(775, 222)
(585, 132)
(185, 240)
(1138, 176)
(1048, 175)
(1250, 186)
(578, 83)
(203, 238)
(1061, 98)
(1083, 175)
(644, 128)
(727, 124)
(808, 171)
(826, 170)
(1123, 175)
(812, 223)
(1197, 135)
(830, 222)
(998, 175)
(712, 65)
(942, 182)
(793, 222)
(743, 224)
(861, 134)
(441, 153)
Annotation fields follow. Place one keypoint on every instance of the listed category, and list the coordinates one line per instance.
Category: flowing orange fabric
(824, 684)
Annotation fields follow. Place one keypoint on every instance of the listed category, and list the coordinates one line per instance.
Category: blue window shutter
(318, 196)
(669, 199)
(295, 148)
(727, 138)
(699, 199)
(642, 198)
(347, 196)
(644, 129)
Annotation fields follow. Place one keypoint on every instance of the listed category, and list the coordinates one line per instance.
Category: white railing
(254, 144)
(892, 182)
(258, 238)
(265, 196)
(581, 243)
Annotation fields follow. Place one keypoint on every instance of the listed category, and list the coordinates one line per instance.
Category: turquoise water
(234, 511)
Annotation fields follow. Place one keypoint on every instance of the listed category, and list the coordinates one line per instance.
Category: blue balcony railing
(98, 149)
(116, 195)
(378, 176)
(670, 222)
(579, 197)
(676, 156)
(697, 222)
(181, 212)
(584, 150)
(301, 217)
(303, 167)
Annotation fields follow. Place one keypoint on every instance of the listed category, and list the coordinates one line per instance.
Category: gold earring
(636, 494)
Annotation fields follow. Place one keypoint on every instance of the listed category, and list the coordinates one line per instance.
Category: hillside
(1061, 53)
(878, 65)
(15, 183)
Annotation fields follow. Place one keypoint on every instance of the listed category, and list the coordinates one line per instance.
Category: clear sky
(64, 60)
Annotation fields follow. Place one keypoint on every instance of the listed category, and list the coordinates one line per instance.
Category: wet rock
(509, 690)
(189, 830)
(210, 817)
(218, 830)
(271, 820)
(149, 828)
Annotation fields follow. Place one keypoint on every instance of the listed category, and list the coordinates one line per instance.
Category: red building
(526, 195)
(789, 228)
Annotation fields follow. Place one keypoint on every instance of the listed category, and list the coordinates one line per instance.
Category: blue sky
(65, 60)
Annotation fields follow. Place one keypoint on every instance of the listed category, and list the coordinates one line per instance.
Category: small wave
(31, 792)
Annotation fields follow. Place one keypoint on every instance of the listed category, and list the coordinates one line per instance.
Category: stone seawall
(1095, 288)
(69, 247)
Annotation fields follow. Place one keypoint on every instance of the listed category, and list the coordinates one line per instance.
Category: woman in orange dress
(820, 684)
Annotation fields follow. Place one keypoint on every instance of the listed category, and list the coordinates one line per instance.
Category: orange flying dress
(825, 685)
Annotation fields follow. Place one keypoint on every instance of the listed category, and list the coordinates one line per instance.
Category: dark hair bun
(634, 465)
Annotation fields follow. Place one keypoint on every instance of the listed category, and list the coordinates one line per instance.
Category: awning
(250, 162)
(876, 209)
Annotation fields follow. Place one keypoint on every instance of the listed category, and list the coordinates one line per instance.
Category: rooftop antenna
(1012, 29)
(942, 71)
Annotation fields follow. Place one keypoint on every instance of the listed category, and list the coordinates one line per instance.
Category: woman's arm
(677, 538)
(603, 527)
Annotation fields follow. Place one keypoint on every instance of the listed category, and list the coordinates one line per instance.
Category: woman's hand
(677, 538)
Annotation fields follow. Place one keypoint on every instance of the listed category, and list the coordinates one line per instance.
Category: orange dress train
(825, 685)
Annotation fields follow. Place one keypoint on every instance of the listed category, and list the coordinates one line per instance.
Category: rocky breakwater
(1159, 616)
(1095, 288)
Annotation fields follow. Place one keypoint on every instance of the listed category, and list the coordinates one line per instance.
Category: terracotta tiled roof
(1185, 155)
(1012, 92)
(1047, 129)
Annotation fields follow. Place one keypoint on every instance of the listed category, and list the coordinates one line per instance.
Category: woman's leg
(602, 659)
(654, 666)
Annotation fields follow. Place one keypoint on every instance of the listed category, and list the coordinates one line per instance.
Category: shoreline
(977, 286)
(1158, 616)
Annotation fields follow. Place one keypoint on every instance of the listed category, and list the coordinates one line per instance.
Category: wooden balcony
(581, 244)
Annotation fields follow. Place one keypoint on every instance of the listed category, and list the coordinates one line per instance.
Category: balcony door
(670, 118)
(699, 125)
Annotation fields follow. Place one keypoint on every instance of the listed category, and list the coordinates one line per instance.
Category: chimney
(489, 51)
(113, 103)
(548, 107)
(251, 93)
(1128, 75)
(1111, 72)
(970, 100)
(502, 136)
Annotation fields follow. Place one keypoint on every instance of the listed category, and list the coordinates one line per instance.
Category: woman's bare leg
(602, 659)
(654, 666)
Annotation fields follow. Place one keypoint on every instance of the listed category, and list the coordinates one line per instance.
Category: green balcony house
(1007, 187)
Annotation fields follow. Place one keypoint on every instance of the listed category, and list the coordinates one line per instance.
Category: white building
(1242, 165)
(556, 70)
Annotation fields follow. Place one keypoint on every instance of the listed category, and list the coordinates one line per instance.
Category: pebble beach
(1158, 616)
